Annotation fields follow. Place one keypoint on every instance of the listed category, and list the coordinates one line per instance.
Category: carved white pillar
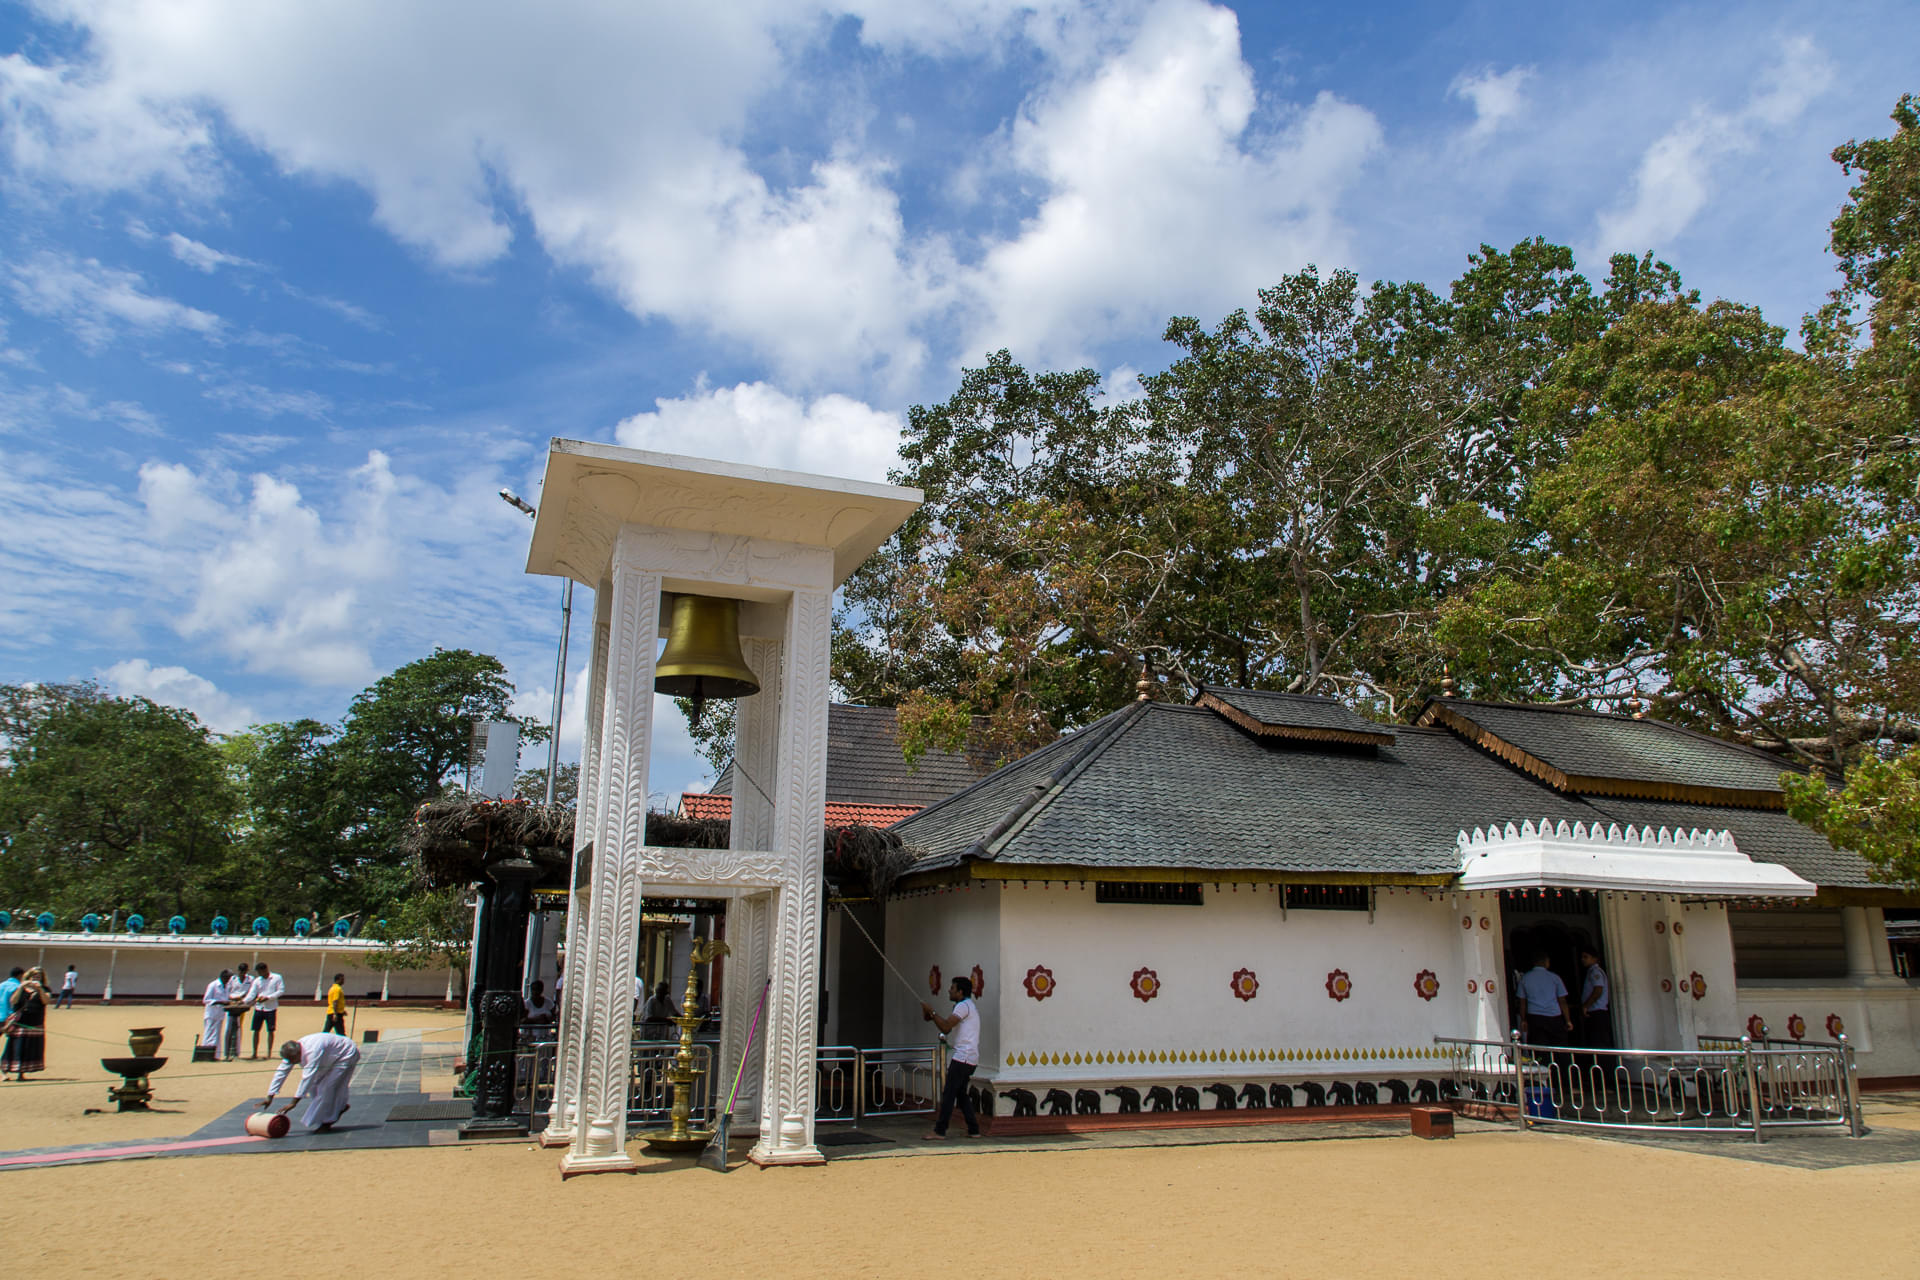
(604, 1034)
(564, 1111)
(1480, 961)
(755, 766)
(786, 1106)
(1683, 999)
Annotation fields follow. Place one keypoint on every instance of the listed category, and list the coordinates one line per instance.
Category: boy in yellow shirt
(337, 1006)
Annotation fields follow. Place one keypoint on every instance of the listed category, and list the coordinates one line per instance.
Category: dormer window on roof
(1296, 717)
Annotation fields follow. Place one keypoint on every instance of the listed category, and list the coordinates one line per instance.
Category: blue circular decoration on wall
(6, 919)
(219, 924)
(177, 924)
(90, 922)
(46, 921)
(260, 926)
(341, 928)
(302, 927)
(136, 922)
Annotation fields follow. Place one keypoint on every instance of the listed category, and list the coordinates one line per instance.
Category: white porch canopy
(1562, 855)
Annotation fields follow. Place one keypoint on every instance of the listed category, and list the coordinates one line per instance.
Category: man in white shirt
(264, 995)
(69, 985)
(962, 1030)
(327, 1063)
(237, 987)
(213, 1012)
(1549, 1020)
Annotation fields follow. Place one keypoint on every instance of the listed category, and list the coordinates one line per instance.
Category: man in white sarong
(327, 1063)
(213, 1012)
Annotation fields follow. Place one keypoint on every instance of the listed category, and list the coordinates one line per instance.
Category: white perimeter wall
(152, 969)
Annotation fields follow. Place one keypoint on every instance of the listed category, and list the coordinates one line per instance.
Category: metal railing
(1747, 1089)
(851, 1084)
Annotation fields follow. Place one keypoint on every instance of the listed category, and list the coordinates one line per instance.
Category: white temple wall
(1093, 1027)
(956, 930)
(1878, 1012)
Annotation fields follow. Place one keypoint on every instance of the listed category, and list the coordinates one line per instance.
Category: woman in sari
(27, 1026)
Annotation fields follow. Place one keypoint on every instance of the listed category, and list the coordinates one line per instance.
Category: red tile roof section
(700, 805)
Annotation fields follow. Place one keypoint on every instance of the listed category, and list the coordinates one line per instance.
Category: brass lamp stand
(681, 1138)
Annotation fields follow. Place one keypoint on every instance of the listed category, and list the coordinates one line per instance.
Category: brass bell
(702, 659)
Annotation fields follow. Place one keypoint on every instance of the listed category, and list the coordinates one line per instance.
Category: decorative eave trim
(1581, 784)
(1558, 854)
(1299, 733)
(978, 871)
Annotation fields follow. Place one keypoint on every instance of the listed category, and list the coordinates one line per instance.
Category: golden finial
(1143, 687)
(1446, 682)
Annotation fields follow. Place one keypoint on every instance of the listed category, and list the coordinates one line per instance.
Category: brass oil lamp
(681, 1138)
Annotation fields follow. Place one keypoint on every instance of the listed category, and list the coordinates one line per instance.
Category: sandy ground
(1539, 1205)
(50, 1109)
(1380, 1207)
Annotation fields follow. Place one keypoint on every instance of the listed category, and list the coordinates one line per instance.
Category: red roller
(263, 1124)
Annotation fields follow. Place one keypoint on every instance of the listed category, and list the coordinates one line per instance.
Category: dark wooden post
(505, 938)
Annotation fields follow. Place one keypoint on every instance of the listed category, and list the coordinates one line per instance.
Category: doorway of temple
(1561, 923)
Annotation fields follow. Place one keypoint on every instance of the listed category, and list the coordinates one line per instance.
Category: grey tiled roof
(1585, 743)
(864, 764)
(1297, 711)
(1157, 785)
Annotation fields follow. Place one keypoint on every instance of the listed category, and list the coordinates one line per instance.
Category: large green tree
(112, 804)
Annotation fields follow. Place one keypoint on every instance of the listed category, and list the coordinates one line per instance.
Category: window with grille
(1147, 893)
(1325, 897)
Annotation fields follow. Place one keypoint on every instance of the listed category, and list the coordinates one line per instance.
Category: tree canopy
(1616, 494)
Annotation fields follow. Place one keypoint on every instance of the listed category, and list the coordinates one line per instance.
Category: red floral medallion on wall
(1245, 985)
(1146, 984)
(1473, 985)
(979, 982)
(1039, 982)
(1697, 985)
(1836, 1026)
(1339, 985)
(1426, 984)
(933, 980)
(1797, 1027)
(1756, 1026)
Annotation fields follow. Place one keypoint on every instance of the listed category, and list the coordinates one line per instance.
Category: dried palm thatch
(452, 841)
(865, 861)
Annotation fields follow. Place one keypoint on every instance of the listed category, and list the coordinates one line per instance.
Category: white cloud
(1164, 189)
(753, 422)
(1141, 137)
(96, 303)
(179, 687)
(1676, 176)
(1498, 97)
(201, 257)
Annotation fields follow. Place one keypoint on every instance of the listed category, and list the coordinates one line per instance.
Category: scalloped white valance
(1563, 855)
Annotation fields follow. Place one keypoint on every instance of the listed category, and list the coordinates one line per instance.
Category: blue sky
(288, 291)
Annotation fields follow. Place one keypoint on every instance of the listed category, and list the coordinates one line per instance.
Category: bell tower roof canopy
(591, 490)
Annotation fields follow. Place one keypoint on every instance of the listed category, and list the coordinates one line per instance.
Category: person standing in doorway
(1596, 1001)
(1549, 1020)
(962, 1030)
(69, 986)
(264, 996)
(337, 1006)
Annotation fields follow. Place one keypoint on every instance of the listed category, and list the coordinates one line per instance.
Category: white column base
(789, 1147)
(552, 1137)
(618, 1162)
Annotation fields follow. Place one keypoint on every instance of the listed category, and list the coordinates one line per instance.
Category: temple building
(1260, 887)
